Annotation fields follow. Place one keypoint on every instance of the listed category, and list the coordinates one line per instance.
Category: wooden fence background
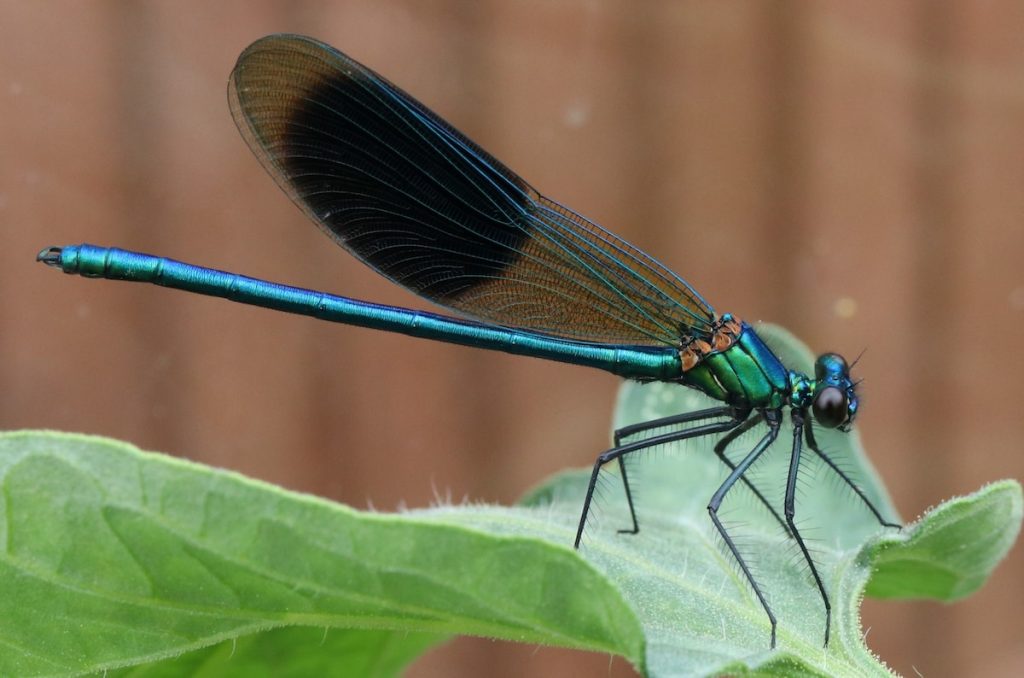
(853, 171)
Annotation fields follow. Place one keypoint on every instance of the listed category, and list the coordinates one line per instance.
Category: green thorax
(733, 365)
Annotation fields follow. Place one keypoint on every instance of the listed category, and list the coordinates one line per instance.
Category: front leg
(813, 444)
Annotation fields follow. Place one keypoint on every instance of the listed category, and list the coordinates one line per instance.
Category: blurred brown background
(853, 171)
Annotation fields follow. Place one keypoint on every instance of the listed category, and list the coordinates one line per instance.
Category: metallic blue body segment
(92, 261)
(775, 373)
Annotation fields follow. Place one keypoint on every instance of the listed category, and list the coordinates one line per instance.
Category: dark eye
(830, 407)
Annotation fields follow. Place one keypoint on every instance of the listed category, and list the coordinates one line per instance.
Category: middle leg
(720, 448)
(772, 417)
(790, 510)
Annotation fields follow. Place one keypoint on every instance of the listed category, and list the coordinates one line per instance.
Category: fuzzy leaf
(140, 564)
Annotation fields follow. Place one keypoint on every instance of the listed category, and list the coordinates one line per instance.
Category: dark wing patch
(416, 200)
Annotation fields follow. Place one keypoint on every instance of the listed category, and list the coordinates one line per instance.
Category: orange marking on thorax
(723, 336)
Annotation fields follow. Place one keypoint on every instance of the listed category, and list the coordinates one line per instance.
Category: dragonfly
(416, 200)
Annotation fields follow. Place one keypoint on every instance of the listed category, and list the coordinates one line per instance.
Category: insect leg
(726, 440)
(813, 444)
(619, 451)
(790, 510)
(734, 414)
(772, 418)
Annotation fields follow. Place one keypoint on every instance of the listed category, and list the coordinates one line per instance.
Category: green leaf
(116, 558)
(951, 554)
(294, 652)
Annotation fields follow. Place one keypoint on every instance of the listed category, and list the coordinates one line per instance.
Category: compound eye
(830, 407)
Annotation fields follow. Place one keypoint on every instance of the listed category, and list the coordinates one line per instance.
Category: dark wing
(416, 200)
